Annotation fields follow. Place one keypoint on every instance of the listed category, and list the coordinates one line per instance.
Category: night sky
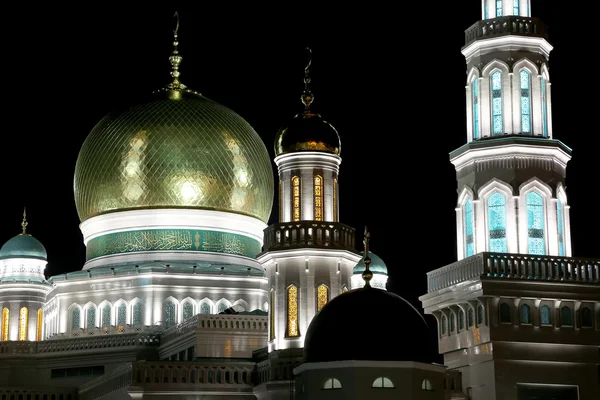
(390, 80)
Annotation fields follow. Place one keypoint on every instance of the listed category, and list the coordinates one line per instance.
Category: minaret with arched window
(511, 172)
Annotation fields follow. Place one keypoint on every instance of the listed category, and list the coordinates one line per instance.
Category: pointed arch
(120, 311)
(545, 101)
(206, 306)
(170, 310)
(91, 317)
(242, 303)
(136, 310)
(75, 317)
(497, 215)
(465, 224)
(534, 206)
(292, 311)
(473, 104)
(23, 323)
(222, 305)
(322, 294)
(5, 323)
(39, 325)
(188, 308)
(562, 222)
(106, 311)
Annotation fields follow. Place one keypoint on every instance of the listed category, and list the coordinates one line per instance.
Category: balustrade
(309, 234)
(511, 24)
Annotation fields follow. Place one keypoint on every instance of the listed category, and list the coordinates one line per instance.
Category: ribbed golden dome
(178, 150)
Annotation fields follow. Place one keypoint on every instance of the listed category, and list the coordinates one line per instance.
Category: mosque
(188, 293)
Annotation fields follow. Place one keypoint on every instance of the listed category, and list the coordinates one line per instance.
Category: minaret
(517, 314)
(308, 255)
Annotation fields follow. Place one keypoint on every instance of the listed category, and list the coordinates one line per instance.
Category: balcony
(509, 25)
(303, 234)
(515, 266)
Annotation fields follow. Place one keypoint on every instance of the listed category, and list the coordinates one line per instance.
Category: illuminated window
(382, 382)
(137, 313)
(544, 108)
(479, 314)
(296, 198)
(293, 329)
(91, 317)
(335, 210)
(475, 99)
(318, 187)
(106, 315)
(452, 322)
(332, 383)
(497, 223)
(461, 320)
(586, 317)
(535, 223)
(486, 13)
(322, 296)
(443, 324)
(40, 326)
(76, 318)
(504, 313)
(205, 308)
(170, 316)
(516, 7)
(525, 314)
(565, 316)
(470, 317)
(545, 315)
(498, 8)
(5, 323)
(122, 315)
(559, 223)
(426, 385)
(525, 100)
(23, 322)
(188, 310)
(469, 245)
(497, 124)
(222, 307)
(272, 315)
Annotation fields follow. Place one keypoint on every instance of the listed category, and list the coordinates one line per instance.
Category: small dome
(377, 265)
(307, 132)
(372, 325)
(23, 246)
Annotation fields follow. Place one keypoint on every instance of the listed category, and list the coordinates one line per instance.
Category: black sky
(389, 78)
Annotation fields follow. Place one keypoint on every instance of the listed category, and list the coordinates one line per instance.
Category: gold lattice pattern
(296, 198)
(38, 333)
(318, 184)
(5, 322)
(322, 296)
(23, 317)
(292, 312)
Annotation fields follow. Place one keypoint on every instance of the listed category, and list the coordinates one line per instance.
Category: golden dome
(179, 150)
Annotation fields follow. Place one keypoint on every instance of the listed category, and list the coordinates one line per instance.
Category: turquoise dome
(377, 265)
(23, 246)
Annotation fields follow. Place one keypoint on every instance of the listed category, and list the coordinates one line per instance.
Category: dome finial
(24, 222)
(367, 275)
(307, 96)
(175, 59)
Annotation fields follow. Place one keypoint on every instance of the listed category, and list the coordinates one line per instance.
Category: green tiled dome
(23, 246)
(179, 150)
(377, 265)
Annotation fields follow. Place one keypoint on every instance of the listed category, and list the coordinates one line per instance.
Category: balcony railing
(515, 266)
(509, 25)
(301, 234)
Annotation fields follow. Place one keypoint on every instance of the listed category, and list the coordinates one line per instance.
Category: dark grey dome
(369, 324)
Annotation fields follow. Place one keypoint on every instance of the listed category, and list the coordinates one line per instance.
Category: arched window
(586, 317)
(426, 385)
(525, 78)
(475, 99)
(322, 296)
(188, 310)
(335, 208)
(479, 314)
(497, 223)
(39, 327)
(76, 318)
(560, 228)
(295, 198)
(222, 307)
(170, 316)
(272, 315)
(535, 223)
(443, 324)
(23, 323)
(516, 7)
(383, 382)
(205, 308)
(486, 13)
(137, 313)
(498, 8)
(293, 329)
(452, 322)
(91, 317)
(5, 323)
(122, 314)
(565, 316)
(544, 108)
(106, 315)
(504, 313)
(545, 316)
(461, 320)
(497, 124)
(332, 383)
(525, 314)
(318, 192)
(470, 317)
(469, 242)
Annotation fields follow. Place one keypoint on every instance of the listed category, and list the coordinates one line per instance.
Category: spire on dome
(24, 223)
(175, 59)
(367, 275)
(307, 96)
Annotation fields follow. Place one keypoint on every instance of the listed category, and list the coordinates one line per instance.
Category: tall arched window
(461, 319)
(545, 316)
(544, 108)
(122, 315)
(535, 223)
(272, 315)
(470, 317)
(137, 313)
(504, 313)
(222, 307)
(335, 200)
(516, 7)
(188, 310)
(486, 13)
(322, 296)
(480, 318)
(565, 316)
(205, 308)
(295, 198)
(560, 228)
(318, 192)
(170, 316)
(496, 85)
(5, 323)
(452, 323)
(106, 315)
(525, 78)
(498, 8)
(23, 323)
(40, 326)
(76, 318)
(469, 240)
(525, 314)
(497, 223)
(443, 324)
(91, 317)
(475, 99)
(586, 317)
(293, 329)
